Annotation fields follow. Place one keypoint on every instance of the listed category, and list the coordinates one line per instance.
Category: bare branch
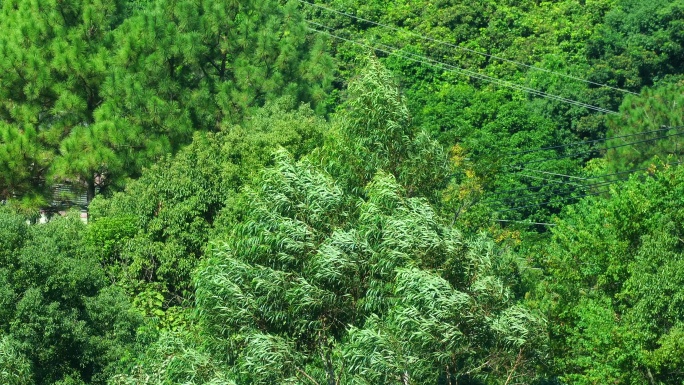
(307, 376)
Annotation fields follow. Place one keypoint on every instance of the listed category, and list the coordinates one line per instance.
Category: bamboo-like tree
(374, 131)
(316, 285)
(14, 367)
(348, 277)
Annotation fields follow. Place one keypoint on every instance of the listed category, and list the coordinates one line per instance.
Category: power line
(607, 148)
(529, 188)
(553, 201)
(632, 171)
(524, 223)
(514, 165)
(539, 187)
(557, 192)
(592, 141)
(539, 191)
(468, 73)
(552, 173)
(561, 199)
(463, 48)
(551, 180)
(499, 81)
(552, 191)
(598, 184)
(582, 178)
(595, 150)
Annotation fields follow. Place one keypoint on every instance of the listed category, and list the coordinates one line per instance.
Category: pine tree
(180, 66)
(93, 91)
(51, 69)
(655, 122)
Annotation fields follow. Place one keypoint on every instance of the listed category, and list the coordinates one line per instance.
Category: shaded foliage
(60, 317)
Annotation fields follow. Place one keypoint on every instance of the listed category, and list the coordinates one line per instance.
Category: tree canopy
(341, 192)
(94, 91)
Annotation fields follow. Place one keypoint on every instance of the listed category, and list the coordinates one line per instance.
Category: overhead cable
(576, 154)
(553, 201)
(463, 48)
(593, 185)
(475, 75)
(524, 223)
(552, 173)
(550, 180)
(631, 171)
(472, 74)
(593, 141)
(556, 192)
(552, 191)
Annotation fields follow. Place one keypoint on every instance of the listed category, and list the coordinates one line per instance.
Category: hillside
(341, 192)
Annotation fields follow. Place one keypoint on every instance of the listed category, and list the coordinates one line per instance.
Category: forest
(331, 192)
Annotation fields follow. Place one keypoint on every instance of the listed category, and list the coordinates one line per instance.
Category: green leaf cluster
(151, 236)
(614, 284)
(61, 321)
(92, 92)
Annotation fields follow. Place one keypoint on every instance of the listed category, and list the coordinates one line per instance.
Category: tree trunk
(90, 193)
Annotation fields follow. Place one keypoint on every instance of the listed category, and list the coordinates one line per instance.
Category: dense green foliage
(615, 285)
(60, 315)
(93, 91)
(624, 44)
(342, 192)
(152, 234)
(308, 285)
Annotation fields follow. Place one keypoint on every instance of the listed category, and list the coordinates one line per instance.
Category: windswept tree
(315, 283)
(349, 275)
(318, 286)
(15, 369)
(374, 131)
